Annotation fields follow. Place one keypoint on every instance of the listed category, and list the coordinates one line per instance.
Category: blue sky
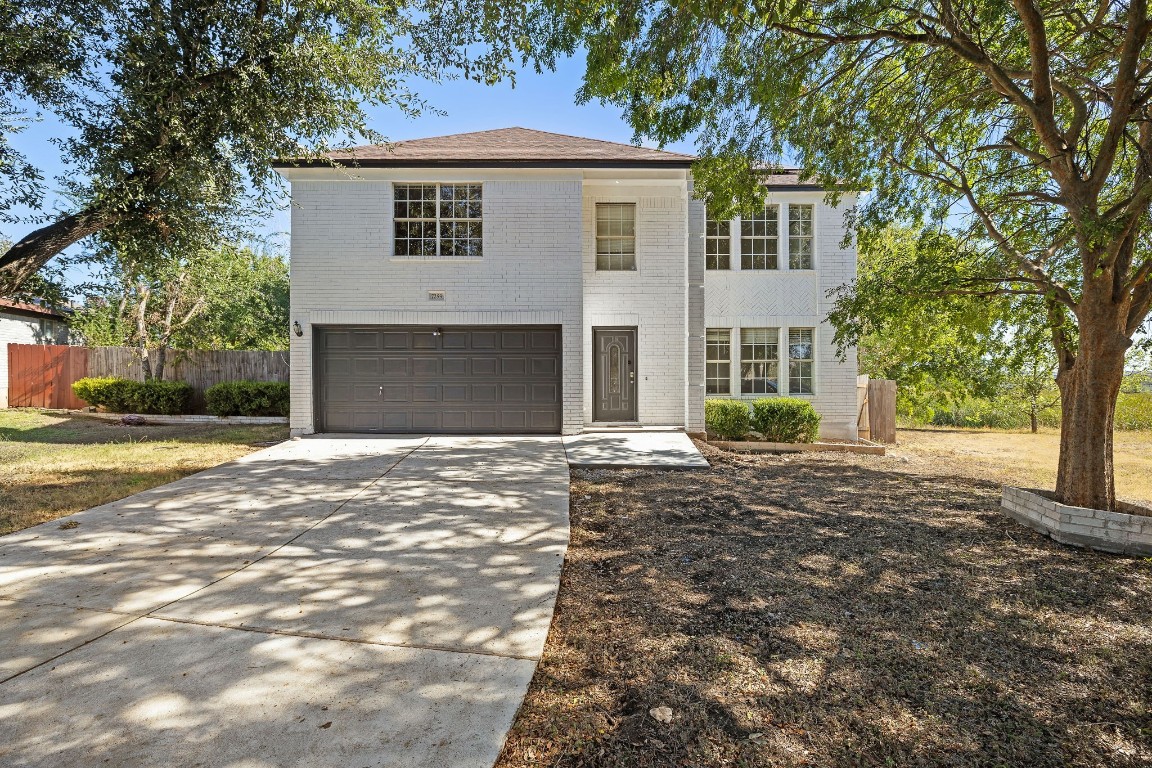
(542, 101)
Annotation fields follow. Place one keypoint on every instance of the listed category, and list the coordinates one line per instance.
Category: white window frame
(627, 259)
(800, 361)
(748, 228)
(718, 245)
(709, 361)
(810, 237)
(440, 222)
(772, 338)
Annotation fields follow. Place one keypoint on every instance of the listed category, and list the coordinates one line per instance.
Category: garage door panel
(451, 380)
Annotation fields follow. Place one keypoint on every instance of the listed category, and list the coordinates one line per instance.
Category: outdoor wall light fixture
(296, 329)
(438, 332)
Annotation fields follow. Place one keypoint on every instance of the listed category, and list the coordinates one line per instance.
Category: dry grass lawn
(836, 611)
(1021, 458)
(52, 466)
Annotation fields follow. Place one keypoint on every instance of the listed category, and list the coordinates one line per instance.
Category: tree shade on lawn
(1022, 126)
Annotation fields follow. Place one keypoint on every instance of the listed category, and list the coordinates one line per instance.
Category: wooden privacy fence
(41, 375)
(47, 371)
(876, 409)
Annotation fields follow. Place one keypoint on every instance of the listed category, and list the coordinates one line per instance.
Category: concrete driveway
(326, 602)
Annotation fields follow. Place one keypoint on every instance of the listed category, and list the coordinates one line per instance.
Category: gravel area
(832, 610)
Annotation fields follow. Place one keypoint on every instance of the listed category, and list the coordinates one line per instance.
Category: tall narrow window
(615, 236)
(719, 362)
(760, 239)
(800, 237)
(759, 361)
(717, 244)
(800, 360)
(444, 220)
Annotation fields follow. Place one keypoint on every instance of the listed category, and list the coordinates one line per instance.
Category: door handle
(381, 391)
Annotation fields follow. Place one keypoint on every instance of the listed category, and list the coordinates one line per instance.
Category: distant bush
(1134, 410)
(785, 419)
(247, 398)
(728, 419)
(128, 396)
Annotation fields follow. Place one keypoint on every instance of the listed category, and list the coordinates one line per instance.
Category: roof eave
(381, 163)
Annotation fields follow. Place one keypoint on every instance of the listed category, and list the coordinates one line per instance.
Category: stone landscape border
(1118, 532)
(174, 420)
(753, 446)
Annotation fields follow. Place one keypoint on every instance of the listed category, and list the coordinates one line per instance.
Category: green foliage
(221, 297)
(172, 114)
(785, 419)
(1134, 410)
(126, 395)
(248, 398)
(728, 419)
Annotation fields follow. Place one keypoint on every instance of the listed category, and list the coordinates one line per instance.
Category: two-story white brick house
(521, 281)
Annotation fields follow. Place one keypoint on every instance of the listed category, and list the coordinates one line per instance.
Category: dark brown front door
(614, 374)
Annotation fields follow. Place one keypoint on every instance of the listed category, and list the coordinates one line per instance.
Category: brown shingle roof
(505, 146)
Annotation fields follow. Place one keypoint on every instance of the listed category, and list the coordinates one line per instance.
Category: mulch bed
(832, 610)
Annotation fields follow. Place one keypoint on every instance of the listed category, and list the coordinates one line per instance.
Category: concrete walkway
(651, 449)
(326, 602)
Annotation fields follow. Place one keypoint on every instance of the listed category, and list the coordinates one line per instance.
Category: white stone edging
(153, 418)
(1116, 532)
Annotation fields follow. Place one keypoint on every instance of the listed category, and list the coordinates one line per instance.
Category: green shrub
(726, 418)
(125, 395)
(1134, 410)
(248, 398)
(164, 397)
(785, 419)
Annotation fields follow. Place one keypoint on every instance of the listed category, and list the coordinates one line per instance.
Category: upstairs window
(800, 237)
(717, 244)
(800, 361)
(719, 361)
(760, 239)
(439, 220)
(759, 361)
(616, 236)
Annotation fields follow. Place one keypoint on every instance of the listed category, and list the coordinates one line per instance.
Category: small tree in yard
(1026, 126)
(221, 297)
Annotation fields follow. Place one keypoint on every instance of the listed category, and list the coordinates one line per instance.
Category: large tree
(173, 110)
(1023, 124)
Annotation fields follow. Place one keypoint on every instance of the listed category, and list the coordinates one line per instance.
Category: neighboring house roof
(789, 178)
(519, 147)
(27, 308)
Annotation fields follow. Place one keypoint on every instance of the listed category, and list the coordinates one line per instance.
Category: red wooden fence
(41, 375)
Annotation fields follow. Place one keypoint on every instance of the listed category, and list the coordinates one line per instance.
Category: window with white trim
(438, 220)
(718, 344)
(759, 361)
(616, 236)
(717, 244)
(801, 360)
(800, 237)
(760, 239)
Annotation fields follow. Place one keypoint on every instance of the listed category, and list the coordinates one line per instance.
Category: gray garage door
(424, 379)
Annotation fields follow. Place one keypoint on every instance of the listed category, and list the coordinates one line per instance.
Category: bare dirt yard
(52, 465)
(834, 610)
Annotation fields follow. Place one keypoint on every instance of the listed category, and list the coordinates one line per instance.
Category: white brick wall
(782, 299)
(539, 267)
(653, 298)
(343, 271)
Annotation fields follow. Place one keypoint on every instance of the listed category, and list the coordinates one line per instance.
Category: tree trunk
(1088, 404)
(161, 358)
(24, 259)
(1035, 425)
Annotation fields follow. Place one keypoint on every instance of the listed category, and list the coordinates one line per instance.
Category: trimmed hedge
(728, 419)
(247, 398)
(785, 419)
(127, 396)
